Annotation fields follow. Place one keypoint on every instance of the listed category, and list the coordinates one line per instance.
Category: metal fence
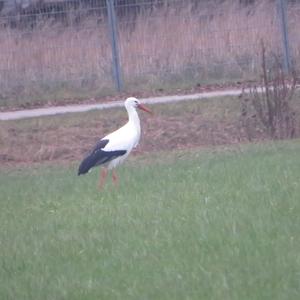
(88, 48)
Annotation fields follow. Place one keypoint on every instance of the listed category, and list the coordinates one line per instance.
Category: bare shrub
(266, 107)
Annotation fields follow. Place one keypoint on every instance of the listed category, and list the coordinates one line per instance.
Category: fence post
(282, 11)
(112, 20)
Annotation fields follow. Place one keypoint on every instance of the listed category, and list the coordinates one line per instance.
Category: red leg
(103, 175)
(115, 178)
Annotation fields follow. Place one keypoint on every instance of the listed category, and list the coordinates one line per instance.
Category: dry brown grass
(173, 46)
(211, 122)
(200, 40)
(69, 137)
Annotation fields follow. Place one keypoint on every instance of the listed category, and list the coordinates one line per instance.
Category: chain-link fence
(55, 49)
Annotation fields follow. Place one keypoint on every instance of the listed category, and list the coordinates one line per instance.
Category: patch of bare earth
(67, 138)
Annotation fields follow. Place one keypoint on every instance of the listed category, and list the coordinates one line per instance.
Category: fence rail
(88, 48)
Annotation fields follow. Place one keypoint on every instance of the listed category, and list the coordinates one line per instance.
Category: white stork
(113, 149)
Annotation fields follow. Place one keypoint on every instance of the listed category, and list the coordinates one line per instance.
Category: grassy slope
(69, 136)
(211, 122)
(187, 226)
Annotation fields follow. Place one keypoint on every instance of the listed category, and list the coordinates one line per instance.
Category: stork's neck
(133, 118)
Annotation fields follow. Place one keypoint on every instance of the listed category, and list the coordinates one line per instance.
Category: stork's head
(132, 102)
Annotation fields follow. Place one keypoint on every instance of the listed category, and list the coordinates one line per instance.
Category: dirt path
(39, 112)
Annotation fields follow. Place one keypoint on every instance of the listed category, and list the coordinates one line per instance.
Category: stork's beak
(144, 108)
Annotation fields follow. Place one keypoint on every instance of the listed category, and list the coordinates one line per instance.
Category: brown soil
(68, 138)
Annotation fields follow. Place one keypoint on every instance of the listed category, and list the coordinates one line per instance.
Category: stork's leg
(115, 178)
(102, 177)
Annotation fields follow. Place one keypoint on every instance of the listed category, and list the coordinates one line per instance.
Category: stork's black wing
(98, 157)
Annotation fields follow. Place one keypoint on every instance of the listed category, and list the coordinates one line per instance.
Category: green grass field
(190, 225)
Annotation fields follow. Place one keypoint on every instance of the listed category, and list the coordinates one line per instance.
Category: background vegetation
(46, 56)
